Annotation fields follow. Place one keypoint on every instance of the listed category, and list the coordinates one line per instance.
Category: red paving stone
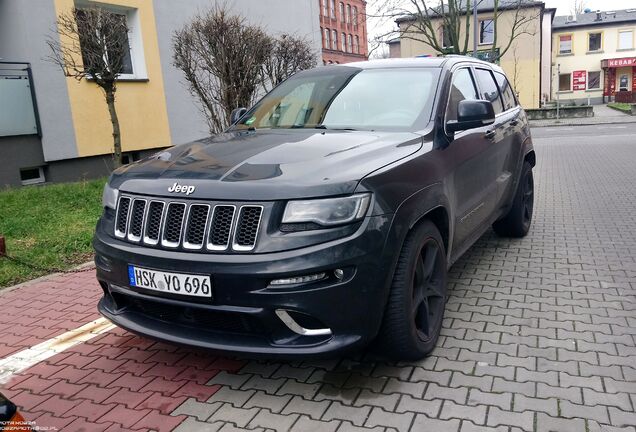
(114, 382)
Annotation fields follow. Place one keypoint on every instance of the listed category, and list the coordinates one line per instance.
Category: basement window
(30, 176)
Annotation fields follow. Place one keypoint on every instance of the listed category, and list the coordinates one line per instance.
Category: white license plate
(170, 283)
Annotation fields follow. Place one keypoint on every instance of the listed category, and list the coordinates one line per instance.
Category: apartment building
(594, 57)
(343, 26)
(527, 62)
(54, 128)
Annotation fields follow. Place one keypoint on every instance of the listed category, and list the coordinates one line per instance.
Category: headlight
(328, 212)
(109, 197)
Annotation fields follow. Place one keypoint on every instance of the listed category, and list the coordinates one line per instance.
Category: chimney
(599, 16)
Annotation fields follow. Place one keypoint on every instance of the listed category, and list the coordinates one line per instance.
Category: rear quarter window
(507, 94)
(488, 88)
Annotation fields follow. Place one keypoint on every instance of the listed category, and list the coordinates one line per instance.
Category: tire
(415, 308)
(517, 222)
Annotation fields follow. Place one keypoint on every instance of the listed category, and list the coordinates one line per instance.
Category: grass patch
(621, 106)
(49, 226)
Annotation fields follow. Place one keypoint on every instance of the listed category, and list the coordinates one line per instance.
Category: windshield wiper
(322, 126)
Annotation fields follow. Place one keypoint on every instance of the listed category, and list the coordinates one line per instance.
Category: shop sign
(621, 62)
(579, 79)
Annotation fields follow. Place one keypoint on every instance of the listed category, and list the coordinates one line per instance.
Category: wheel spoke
(423, 318)
(429, 258)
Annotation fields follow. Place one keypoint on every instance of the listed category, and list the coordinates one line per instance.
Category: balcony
(18, 108)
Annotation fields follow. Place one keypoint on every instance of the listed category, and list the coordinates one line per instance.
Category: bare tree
(578, 7)
(289, 55)
(226, 61)
(92, 43)
(446, 26)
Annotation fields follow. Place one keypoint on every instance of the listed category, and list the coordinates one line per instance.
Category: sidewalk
(602, 115)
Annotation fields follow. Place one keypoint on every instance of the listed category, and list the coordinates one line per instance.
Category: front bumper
(241, 315)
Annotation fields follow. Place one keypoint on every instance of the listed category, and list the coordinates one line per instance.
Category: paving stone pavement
(539, 335)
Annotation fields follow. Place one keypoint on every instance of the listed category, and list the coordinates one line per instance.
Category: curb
(43, 278)
(532, 125)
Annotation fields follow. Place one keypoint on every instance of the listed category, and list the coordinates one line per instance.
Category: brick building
(343, 26)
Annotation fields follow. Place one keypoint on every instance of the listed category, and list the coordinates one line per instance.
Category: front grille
(194, 226)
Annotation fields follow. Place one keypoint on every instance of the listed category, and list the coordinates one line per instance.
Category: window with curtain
(565, 44)
(625, 39)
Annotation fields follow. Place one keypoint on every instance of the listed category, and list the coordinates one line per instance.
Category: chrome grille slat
(221, 227)
(152, 230)
(193, 226)
(121, 220)
(247, 226)
(136, 219)
(173, 225)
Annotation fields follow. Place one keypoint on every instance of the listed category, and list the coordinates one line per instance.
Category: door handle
(490, 134)
(514, 122)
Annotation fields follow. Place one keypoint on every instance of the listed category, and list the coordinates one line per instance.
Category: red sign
(578, 80)
(620, 62)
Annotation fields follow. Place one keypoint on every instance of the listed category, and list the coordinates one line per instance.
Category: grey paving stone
(597, 413)
(499, 417)
(268, 385)
(306, 424)
(194, 425)
(429, 407)
(313, 409)
(475, 413)
(458, 395)
(194, 408)
(224, 378)
(379, 417)
(468, 426)
(234, 397)
(619, 400)
(483, 383)
(556, 424)
(423, 423)
(273, 403)
(622, 418)
(238, 416)
(502, 400)
(386, 401)
(293, 387)
(415, 389)
(269, 420)
(523, 403)
(356, 415)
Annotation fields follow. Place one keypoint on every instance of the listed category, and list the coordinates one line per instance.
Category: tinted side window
(506, 91)
(462, 88)
(489, 89)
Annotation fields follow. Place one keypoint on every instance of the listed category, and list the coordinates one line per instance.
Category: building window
(325, 8)
(486, 31)
(332, 8)
(327, 41)
(593, 80)
(565, 82)
(134, 65)
(348, 16)
(354, 18)
(565, 44)
(625, 39)
(350, 43)
(595, 42)
(356, 45)
(29, 176)
(334, 40)
(344, 42)
(342, 12)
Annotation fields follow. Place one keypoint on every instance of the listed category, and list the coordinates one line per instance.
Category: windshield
(348, 98)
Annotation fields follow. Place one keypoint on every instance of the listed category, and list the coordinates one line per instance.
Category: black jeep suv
(325, 217)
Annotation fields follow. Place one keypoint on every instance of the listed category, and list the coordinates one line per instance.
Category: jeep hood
(268, 165)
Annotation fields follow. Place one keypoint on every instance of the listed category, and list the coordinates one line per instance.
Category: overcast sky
(379, 26)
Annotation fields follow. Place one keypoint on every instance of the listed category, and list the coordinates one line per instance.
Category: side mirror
(236, 115)
(472, 114)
